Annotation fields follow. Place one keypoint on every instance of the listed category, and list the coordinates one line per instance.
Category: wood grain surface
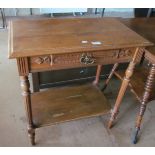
(68, 103)
(55, 36)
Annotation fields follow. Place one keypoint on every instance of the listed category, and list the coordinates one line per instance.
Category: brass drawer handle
(87, 59)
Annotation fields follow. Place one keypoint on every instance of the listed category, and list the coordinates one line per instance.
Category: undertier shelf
(57, 105)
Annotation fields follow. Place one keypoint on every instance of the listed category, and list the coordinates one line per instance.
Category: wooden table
(53, 44)
(145, 27)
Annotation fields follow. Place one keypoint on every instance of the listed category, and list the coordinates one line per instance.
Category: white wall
(36, 11)
(21, 11)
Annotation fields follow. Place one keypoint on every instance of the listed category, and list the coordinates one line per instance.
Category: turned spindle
(145, 98)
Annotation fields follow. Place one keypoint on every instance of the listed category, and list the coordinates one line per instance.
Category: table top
(56, 36)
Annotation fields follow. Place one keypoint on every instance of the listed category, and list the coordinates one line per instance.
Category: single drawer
(81, 59)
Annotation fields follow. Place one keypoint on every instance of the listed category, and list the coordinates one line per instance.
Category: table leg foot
(95, 83)
(110, 124)
(135, 136)
(31, 133)
(112, 119)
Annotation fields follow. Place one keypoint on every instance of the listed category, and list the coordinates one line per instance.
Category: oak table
(54, 44)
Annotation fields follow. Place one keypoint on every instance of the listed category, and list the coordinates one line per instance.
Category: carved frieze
(80, 58)
(124, 53)
(41, 60)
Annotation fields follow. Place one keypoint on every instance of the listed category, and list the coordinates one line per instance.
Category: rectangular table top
(29, 37)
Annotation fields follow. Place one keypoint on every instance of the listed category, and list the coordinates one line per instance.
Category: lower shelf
(68, 103)
(138, 81)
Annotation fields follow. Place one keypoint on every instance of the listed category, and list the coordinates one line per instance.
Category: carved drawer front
(71, 60)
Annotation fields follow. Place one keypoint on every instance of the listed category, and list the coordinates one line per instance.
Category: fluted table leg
(27, 101)
(146, 95)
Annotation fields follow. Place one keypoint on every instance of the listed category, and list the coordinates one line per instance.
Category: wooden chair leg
(123, 88)
(110, 76)
(98, 73)
(146, 95)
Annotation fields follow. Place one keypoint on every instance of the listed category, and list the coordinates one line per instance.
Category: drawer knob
(87, 59)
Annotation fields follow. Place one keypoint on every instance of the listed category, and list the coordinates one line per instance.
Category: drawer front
(72, 60)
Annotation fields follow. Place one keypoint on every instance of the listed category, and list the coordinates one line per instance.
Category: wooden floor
(69, 103)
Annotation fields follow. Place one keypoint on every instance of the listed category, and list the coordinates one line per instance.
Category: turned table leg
(123, 88)
(98, 72)
(146, 95)
(110, 76)
(27, 101)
